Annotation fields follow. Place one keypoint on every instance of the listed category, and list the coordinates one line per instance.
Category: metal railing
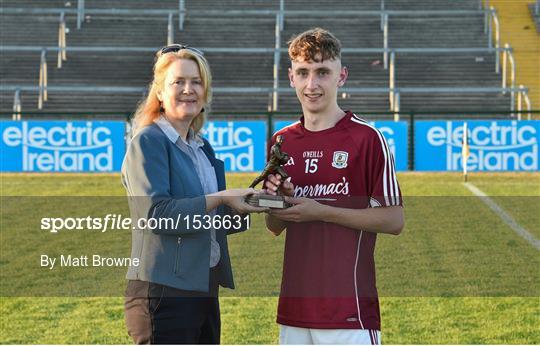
(392, 81)
(277, 50)
(397, 106)
(61, 41)
(80, 13)
(17, 105)
(392, 71)
(522, 92)
(277, 62)
(170, 30)
(523, 95)
(508, 56)
(237, 13)
(485, 6)
(385, 40)
(495, 20)
(247, 13)
(282, 15)
(382, 15)
(181, 14)
(42, 88)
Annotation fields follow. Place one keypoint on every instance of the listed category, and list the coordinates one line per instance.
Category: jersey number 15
(311, 165)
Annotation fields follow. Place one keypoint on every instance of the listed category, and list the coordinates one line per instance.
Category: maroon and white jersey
(329, 270)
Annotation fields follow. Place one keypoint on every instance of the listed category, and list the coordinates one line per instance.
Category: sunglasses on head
(176, 47)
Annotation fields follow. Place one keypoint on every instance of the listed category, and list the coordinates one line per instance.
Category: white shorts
(308, 336)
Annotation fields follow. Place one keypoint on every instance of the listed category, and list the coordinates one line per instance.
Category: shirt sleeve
(385, 190)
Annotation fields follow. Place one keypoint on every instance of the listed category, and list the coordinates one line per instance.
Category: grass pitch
(457, 274)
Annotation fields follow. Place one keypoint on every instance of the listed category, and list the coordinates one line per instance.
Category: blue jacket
(162, 182)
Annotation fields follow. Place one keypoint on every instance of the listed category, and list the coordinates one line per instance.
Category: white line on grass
(509, 220)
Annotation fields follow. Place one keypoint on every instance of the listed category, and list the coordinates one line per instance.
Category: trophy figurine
(273, 166)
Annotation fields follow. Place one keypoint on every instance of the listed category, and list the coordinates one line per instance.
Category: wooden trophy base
(267, 201)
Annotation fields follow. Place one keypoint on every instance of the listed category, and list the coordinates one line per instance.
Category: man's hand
(388, 220)
(274, 183)
(303, 210)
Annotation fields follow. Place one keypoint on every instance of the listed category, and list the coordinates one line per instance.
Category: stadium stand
(517, 27)
(110, 57)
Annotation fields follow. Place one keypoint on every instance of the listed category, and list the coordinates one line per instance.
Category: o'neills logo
(319, 190)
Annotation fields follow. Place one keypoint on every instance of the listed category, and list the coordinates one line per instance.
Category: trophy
(273, 166)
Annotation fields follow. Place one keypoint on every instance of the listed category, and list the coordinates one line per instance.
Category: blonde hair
(150, 108)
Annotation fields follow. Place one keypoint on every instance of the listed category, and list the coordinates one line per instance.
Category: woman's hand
(235, 199)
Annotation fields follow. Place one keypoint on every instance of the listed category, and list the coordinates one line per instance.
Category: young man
(345, 192)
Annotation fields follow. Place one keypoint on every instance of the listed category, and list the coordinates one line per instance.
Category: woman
(171, 172)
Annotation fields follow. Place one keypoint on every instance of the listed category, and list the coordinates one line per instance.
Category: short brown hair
(307, 45)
